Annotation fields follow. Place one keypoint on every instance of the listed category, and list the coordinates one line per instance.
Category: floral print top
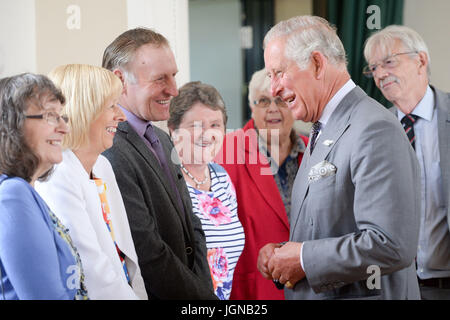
(217, 211)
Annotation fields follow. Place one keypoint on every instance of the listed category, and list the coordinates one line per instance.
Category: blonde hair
(87, 89)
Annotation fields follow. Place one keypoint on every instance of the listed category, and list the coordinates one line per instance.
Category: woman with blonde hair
(83, 191)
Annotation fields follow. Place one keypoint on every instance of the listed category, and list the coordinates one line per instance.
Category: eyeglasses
(51, 117)
(388, 63)
(265, 102)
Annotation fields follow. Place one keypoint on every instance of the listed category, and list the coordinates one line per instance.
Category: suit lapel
(273, 199)
(443, 109)
(266, 187)
(141, 147)
(337, 125)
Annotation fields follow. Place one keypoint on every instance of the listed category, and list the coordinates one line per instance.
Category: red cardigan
(260, 210)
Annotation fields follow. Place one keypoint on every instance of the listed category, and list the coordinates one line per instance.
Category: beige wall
(100, 22)
(17, 42)
(430, 19)
(285, 9)
(170, 18)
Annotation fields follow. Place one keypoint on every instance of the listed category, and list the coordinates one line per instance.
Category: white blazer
(73, 197)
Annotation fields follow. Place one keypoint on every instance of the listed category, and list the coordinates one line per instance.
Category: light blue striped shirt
(433, 252)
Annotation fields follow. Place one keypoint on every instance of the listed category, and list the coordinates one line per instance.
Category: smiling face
(103, 129)
(296, 87)
(43, 138)
(277, 117)
(406, 81)
(200, 134)
(154, 69)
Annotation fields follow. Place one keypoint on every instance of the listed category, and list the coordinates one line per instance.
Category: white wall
(431, 20)
(17, 37)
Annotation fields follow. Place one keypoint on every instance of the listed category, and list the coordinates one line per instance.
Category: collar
(424, 108)
(334, 102)
(136, 123)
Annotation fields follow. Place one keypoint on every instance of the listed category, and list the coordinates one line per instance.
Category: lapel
(443, 112)
(336, 126)
(266, 187)
(141, 147)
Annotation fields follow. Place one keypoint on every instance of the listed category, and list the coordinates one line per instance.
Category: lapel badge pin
(328, 143)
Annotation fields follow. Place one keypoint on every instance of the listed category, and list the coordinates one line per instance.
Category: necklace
(198, 183)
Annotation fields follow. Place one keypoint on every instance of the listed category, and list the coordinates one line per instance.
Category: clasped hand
(281, 262)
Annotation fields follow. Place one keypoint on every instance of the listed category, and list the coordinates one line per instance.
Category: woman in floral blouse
(197, 125)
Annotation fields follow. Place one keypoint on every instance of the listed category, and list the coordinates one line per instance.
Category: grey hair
(386, 38)
(306, 34)
(259, 81)
(17, 93)
(190, 94)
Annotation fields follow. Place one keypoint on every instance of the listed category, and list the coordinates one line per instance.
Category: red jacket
(260, 210)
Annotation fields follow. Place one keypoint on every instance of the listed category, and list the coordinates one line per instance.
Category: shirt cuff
(301, 257)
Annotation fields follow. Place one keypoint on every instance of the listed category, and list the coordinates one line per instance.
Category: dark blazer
(170, 244)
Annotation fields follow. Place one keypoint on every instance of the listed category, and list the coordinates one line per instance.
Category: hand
(264, 256)
(284, 263)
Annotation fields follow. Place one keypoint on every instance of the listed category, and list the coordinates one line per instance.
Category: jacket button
(189, 250)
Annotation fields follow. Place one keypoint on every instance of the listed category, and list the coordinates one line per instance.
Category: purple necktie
(151, 136)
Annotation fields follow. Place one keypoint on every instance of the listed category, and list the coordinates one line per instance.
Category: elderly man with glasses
(399, 62)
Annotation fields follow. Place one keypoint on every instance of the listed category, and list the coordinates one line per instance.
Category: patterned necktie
(408, 124)
(314, 133)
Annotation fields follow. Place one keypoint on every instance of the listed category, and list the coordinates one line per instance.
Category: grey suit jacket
(442, 100)
(170, 244)
(365, 214)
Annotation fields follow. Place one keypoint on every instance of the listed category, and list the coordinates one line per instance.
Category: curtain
(355, 25)
(260, 16)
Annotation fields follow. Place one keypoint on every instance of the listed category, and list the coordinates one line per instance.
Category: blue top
(37, 260)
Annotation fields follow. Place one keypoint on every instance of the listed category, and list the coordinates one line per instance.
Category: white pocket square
(321, 170)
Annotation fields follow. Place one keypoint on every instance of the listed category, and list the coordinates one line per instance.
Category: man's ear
(121, 76)
(319, 62)
(423, 60)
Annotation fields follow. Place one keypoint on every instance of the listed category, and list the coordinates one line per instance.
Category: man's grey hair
(306, 34)
(385, 39)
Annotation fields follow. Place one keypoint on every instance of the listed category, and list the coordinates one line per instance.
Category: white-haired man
(356, 201)
(399, 62)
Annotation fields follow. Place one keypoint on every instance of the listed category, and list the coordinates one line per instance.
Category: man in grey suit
(169, 240)
(356, 201)
(399, 62)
